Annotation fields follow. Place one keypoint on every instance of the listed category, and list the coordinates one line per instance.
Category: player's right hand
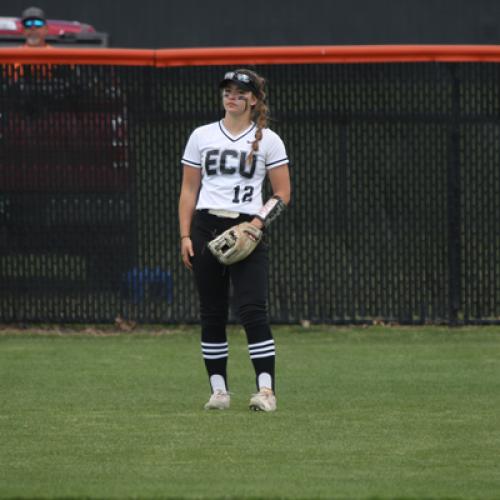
(187, 252)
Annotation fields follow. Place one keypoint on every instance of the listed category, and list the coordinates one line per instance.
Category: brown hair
(260, 112)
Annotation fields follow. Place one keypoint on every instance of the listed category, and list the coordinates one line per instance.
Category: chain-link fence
(395, 211)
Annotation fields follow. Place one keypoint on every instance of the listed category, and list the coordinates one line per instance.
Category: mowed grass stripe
(362, 413)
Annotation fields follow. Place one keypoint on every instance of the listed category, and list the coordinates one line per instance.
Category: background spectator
(35, 27)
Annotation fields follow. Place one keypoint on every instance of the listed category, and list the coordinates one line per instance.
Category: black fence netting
(395, 212)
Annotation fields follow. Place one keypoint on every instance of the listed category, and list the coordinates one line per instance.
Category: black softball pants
(249, 280)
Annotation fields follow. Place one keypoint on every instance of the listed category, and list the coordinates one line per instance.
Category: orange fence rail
(399, 162)
(254, 55)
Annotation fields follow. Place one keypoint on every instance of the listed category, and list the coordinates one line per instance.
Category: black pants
(249, 279)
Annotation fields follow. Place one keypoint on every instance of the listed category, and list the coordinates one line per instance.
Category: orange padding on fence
(316, 54)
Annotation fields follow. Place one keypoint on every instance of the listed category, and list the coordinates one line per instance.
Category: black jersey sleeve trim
(284, 160)
(190, 163)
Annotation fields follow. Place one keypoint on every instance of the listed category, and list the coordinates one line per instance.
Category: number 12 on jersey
(245, 194)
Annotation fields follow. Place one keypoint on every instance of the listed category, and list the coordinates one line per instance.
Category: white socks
(265, 380)
(218, 383)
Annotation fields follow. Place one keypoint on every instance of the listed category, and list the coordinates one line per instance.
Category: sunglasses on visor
(33, 23)
(233, 75)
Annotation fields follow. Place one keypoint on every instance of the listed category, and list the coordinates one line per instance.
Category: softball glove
(236, 243)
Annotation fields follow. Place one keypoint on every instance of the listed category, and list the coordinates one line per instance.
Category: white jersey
(228, 180)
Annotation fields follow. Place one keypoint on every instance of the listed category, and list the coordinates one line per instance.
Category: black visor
(243, 81)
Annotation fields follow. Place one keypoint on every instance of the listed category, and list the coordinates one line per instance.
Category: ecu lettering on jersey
(229, 162)
(229, 180)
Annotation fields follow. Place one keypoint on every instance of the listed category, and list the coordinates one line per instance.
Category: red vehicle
(60, 33)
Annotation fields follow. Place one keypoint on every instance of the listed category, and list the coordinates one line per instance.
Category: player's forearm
(187, 204)
(280, 183)
(284, 194)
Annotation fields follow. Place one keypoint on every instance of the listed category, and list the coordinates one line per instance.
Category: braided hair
(260, 112)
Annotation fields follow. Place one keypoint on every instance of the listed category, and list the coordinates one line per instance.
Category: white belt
(224, 213)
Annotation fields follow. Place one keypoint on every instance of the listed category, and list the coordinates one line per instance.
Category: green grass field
(363, 413)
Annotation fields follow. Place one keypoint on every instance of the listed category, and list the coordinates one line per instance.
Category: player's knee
(214, 314)
(253, 315)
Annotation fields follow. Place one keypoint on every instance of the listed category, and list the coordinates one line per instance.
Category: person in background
(35, 28)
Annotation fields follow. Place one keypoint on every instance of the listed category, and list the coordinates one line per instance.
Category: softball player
(224, 167)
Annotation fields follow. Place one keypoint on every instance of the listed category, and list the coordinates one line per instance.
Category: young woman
(224, 167)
